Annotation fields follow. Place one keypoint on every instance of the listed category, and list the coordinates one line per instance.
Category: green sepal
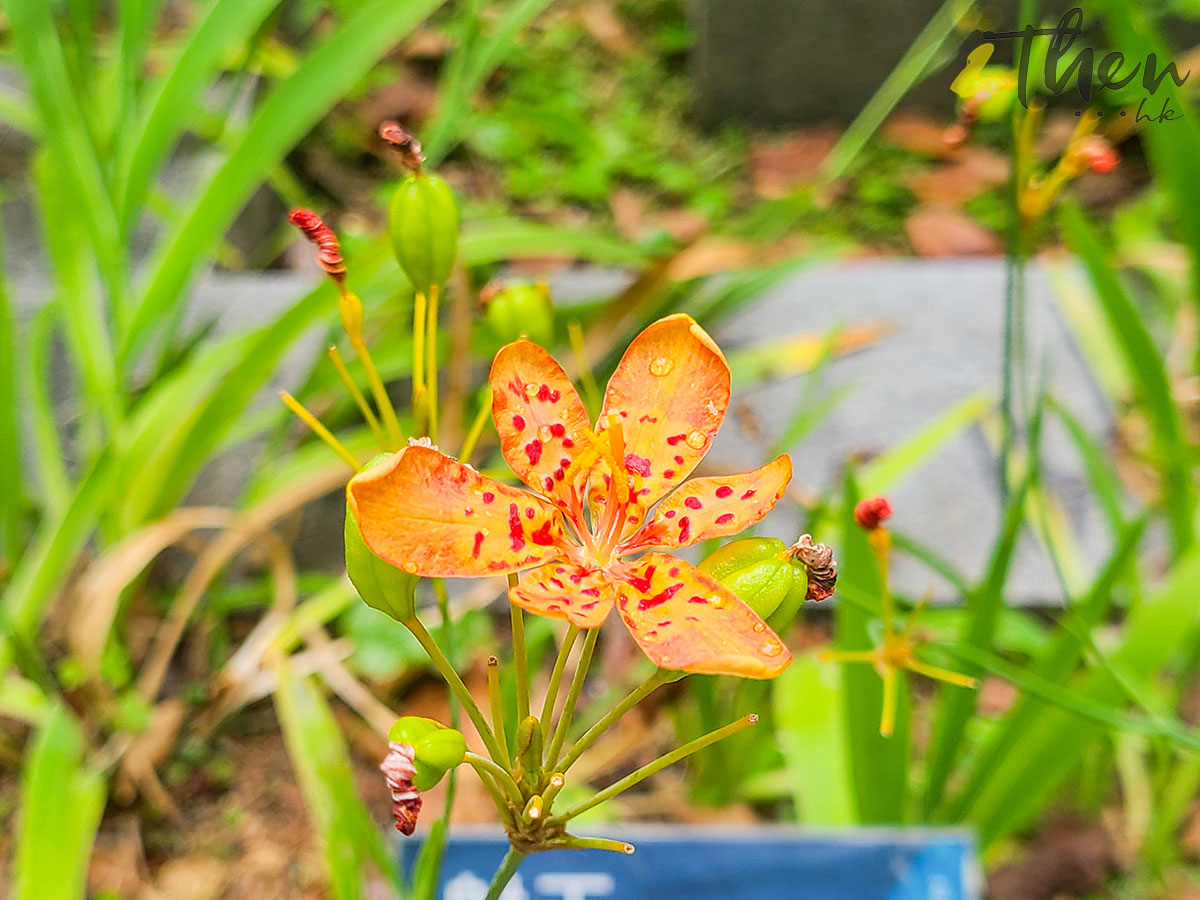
(437, 749)
(423, 225)
(381, 585)
(529, 749)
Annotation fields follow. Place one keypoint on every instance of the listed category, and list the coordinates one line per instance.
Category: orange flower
(595, 506)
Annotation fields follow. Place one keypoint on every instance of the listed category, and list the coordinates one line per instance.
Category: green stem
(501, 774)
(647, 687)
(503, 807)
(568, 710)
(651, 768)
(438, 658)
(431, 360)
(556, 675)
(580, 843)
(497, 703)
(508, 868)
(520, 655)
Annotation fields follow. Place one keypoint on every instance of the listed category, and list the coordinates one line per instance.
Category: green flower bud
(519, 310)
(381, 585)
(759, 570)
(995, 91)
(437, 749)
(423, 224)
(529, 749)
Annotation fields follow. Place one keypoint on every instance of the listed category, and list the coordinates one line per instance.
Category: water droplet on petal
(771, 648)
(531, 389)
(760, 627)
(410, 568)
(545, 433)
(697, 440)
(661, 366)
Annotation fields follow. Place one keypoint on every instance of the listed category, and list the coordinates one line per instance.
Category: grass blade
(288, 112)
(61, 803)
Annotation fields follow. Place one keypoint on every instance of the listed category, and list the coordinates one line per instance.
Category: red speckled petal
(564, 590)
(684, 620)
(431, 515)
(706, 508)
(670, 392)
(540, 419)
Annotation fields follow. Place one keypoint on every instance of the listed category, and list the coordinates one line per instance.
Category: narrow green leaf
(61, 803)
(1151, 382)
(878, 766)
(286, 115)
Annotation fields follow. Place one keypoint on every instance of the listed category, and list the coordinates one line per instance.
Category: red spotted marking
(668, 473)
(533, 450)
(478, 544)
(529, 512)
(692, 502)
(685, 528)
(488, 496)
(725, 519)
(660, 598)
(519, 423)
(670, 514)
(542, 536)
(558, 429)
(676, 438)
(568, 443)
(696, 598)
(591, 592)
(638, 464)
(514, 527)
(750, 493)
(724, 491)
(679, 460)
(549, 482)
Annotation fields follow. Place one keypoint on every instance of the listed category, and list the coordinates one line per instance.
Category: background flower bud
(423, 225)
(438, 749)
(513, 311)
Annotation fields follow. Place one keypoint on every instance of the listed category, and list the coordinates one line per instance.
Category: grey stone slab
(945, 347)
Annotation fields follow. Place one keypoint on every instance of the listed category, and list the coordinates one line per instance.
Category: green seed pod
(423, 224)
(381, 585)
(437, 749)
(519, 310)
(759, 570)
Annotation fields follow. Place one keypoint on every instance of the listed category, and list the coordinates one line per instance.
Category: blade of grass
(913, 66)
(1151, 383)
(226, 25)
(288, 112)
(878, 766)
(326, 776)
(61, 803)
(12, 497)
(984, 605)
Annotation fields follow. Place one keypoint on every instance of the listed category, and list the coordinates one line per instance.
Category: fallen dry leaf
(939, 231)
(189, 878)
(919, 133)
(778, 165)
(603, 25)
(629, 213)
(710, 255)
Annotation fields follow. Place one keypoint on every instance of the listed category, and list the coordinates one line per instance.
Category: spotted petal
(540, 419)
(669, 392)
(705, 508)
(564, 590)
(430, 515)
(684, 620)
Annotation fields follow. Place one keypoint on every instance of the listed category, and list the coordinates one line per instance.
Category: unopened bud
(518, 310)
(436, 748)
(1096, 154)
(870, 513)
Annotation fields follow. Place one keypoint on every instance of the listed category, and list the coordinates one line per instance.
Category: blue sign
(724, 864)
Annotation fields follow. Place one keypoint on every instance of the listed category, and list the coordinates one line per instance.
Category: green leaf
(349, 836)
(1151, 384)
(878, 766)
(810, 735)
(286, 115)
(61, 803)
(177, 94)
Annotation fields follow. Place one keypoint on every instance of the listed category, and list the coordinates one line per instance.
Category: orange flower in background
(597, 502)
